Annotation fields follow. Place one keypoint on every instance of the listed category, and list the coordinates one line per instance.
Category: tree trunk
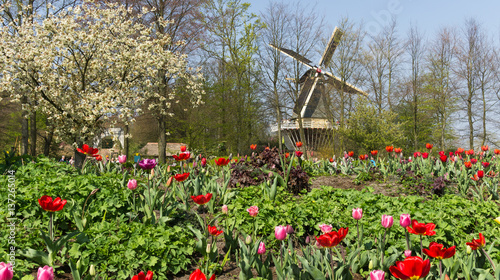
(79, 157)
(125, 141)
(162, 142)
(33, 134)
(24, 128)
(48, 138)
(280, 146)
(471, 124)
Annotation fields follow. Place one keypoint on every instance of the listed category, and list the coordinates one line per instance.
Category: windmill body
(311, 102)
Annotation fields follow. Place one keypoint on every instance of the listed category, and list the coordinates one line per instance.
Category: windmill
(311, 103)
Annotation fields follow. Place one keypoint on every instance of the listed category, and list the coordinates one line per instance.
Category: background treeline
(441, 88)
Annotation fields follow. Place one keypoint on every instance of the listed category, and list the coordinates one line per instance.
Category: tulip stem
(357, 227)
(440, 270)
(51, 224)
(421, 248)
(383, 251)
(331, 262)
(489, 259)
(407, 240)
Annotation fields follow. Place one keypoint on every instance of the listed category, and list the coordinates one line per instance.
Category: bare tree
(416, 50)
(382, 62)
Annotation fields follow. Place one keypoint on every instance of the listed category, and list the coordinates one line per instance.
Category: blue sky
(428, 15)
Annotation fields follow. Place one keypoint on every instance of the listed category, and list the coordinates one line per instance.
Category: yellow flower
(497, 220)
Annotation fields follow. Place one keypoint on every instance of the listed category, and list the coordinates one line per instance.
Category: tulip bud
(469, 250)
(308, 239)
(289, 229)
(387, 221)
(407, 253)
(209, 248)
(203, 162)
(280, 232)
(377, 275)
(325, 228)
(405, 220)
(262, 248)
(357, 213)
(79, 264)
(92, 270)
(248, 240)
(45, 273)
(224, 209)
(132, 184)
(370, 265)
(194, 164)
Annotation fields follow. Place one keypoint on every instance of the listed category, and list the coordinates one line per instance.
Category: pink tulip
(357, 213)
(253, 211)
(325, 228)
(122, 159)
(45, 273)
(6, 272)
(407, 253)
(280, 232)
(262, 248)
(224, 209)
(377, 275)
(132, 184)
(387, 221)
(289, 229)
(405, 220)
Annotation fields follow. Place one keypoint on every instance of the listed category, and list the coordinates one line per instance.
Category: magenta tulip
(253, 211)
(262, 248)
(6, 271)
(357, 213)
(387, 221)
(377, 275)
(289, 229)
(280, 232)
(45, 273)
(405, 220)
(325, 228)
(122, 159)
(132, 184)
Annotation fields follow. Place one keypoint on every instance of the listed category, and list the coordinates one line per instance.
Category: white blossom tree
(90, 65)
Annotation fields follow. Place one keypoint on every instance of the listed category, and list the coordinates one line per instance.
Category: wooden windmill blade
(334, 41)
(305, 89)
(345, 86)
(293, 55)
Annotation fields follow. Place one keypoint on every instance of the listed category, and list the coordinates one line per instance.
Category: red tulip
(183, 149)
(398, 150)
(421, 228)
(89, 151)
(459, 151)
(485, 164)
(425, 155)
(198, 275)
(469, 152)
(331, 159)
(181, 177)
(428, 146)
(477, 243)
(202, 199)
(485, 148)
(222, 161)
(98, 158)
(141, 276)
(51, 206)
(468, 164)
(363, 157)
(497, 151)
(287, 155)
(298, 153)
(443, 158)
(437, 251)
(417, 154)
(253, 146)
(332, 238)
(475, 178)
(182, 156)
(350, 153)
(389, 149)
(480, 173)
(213, 231)
(473, 160)
(298, 144)
(374, 152)
(441, 153)
(412, 268)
